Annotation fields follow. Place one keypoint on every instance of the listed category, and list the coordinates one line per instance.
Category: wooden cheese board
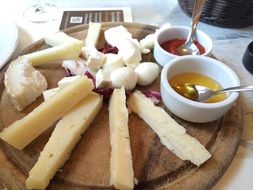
(154, 165)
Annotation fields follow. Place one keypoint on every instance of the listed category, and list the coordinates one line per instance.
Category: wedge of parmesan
(93, 34)
(65, 136)
(22, 132)
(171, 134)
(121, 168)
(58, 38)
(70, 50)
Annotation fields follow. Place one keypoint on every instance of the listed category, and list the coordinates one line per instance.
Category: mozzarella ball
(124, 76)
(146, 72)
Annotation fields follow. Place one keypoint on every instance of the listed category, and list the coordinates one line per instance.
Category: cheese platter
(88, 165)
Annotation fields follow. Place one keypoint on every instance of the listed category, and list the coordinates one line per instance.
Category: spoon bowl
(202, 94)
(189, 47)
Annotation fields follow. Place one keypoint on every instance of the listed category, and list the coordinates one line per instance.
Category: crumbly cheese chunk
(121, 168)
(112, 62)
(75, 66)
(65, 136)
(171, 134)
(24, 84)
(20, 133)
(103, 79)
(95, 59)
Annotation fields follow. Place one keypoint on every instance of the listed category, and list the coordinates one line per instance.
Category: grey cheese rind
(171, 134)
(24, 84)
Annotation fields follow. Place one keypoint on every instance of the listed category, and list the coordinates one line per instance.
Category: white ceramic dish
(8, 40)
(196, 111)
(178, 32)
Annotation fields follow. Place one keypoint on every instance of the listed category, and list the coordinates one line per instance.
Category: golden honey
(199, 79)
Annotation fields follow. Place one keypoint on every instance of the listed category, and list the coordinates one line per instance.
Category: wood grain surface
(155, 166)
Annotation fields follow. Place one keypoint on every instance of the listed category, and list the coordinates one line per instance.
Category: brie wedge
(23, 83)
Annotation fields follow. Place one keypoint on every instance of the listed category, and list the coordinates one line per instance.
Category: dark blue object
(247, 58)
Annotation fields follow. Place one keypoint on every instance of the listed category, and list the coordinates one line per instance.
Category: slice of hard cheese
(58, 38)
(65, 136)
(171, 134)
(93, 34)
(22, 132)
(121, 158)
(70, 50)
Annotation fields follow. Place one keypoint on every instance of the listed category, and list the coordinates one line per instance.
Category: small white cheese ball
(124, 76)
(146, 72)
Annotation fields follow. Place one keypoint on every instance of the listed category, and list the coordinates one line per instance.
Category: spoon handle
(236, 89)
(198, 6)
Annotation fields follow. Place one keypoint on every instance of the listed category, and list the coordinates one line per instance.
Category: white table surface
(229, 45)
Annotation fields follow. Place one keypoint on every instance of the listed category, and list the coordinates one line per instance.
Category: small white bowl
(196, 111)
(178, 32)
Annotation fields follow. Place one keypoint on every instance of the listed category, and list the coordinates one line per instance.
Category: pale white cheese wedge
(112, 62)
(23, 83)
(47, 94)
(20, 133)
(58, 38)
(114, 34)
(130, 53)
(171, 134)
(103, 79)
(68, 80)
(70, 50)
(75, 66)
(121, 167)
(129, 48)
(93, 34)
(65, 136)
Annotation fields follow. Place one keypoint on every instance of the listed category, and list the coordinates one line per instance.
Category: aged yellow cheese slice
(121, 168)
(70, 50)
(65, 136)
(171, 134)
(22, 132)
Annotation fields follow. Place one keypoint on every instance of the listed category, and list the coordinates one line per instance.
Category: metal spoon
(201, 93)
(189, 48)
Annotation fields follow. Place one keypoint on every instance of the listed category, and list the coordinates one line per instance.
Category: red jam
(172, 45)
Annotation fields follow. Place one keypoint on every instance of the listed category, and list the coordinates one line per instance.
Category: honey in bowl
(199, 79)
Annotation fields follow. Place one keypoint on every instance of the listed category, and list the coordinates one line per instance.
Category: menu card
(77, 17)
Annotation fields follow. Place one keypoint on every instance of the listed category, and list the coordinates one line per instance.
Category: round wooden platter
(154, 165)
